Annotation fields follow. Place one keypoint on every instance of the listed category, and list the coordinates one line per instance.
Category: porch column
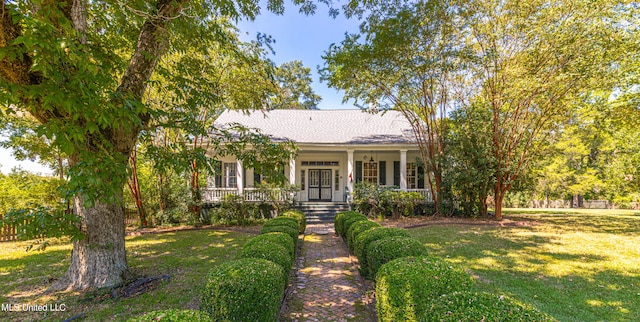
(350, 167)
(403, 169)
(292, 170)
(240, 177)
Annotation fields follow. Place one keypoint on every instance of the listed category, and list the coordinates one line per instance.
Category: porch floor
(327, 285)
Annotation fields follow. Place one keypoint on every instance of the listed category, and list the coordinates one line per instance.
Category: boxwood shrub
(283, 221)
(292, 232)
(271, 252)
(338, 220)
(249, 289)
(349, 220)
(385, 250)
(279, 238)
(172, 316)
(299, 216)
(363, 240)
(474, 306)
(356, 229)
(406, 286)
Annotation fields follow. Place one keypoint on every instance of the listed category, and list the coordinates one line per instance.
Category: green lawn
(186, 256)
(575, 266)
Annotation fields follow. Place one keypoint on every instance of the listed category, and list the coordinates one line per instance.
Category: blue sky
(305, 38)
(297, 36)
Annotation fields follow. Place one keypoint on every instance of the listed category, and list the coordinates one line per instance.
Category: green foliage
(338, 220)
(39, 222)
(278, 194)
(363, 240)
(22, 138)
(279, 238)
(471, 164)
(593, 156)
(379, 202)
(172, 316)
(295, 87)
(21, 189)
(175, 197)
(473, 306)
(292, 232)
(406, 287)
(356, 229)
(271, 252)
(403, 59)
(248, 289)
(299, 216)
(283, 221)
(384, 250)
(348, 220)
(233, 210)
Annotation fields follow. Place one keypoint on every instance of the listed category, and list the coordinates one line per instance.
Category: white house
(337, 148)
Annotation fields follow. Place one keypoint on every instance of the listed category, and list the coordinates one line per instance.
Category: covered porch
(325, 174)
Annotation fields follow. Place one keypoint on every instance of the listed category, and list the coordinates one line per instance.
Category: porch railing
(213, 195)
(425, 193)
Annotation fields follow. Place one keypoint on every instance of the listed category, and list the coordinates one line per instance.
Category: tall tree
(407, 61)
(82, 69)
(521, 61)
(528, 61)
(470, 163)
(295, 87)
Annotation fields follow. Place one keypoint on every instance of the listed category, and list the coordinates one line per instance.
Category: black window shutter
(383, 173)
(244, 177)
(256, 177)
(358, 171)
(420, 175)
(396, 173)
(218, 173)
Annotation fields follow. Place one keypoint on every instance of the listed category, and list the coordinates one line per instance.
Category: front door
(320, 185)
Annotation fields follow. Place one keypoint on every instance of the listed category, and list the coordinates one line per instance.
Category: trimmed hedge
(473, 306)
(283, 221)
(385, 250)
(248, 289)
(363, 240)
(405, 287)
(292, 232)
(356, 229)
(338, 220)
(279, 238)
(349, 220)
(299, 216)
(172, 316)
(271, 252)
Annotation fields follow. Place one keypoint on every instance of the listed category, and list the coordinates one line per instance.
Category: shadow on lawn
(547, 266)
(596, 223)
(603, 296)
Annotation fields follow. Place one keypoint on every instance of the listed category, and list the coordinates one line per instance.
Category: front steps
(321, 212)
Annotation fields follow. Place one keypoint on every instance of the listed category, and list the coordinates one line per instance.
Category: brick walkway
(327, 286)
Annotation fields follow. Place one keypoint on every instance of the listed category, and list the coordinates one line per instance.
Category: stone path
(327, 286)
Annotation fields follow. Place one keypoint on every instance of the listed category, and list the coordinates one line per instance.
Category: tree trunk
(99, 259)
(134, 187)
(499, 197)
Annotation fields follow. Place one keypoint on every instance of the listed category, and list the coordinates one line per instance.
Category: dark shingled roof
(325, 126)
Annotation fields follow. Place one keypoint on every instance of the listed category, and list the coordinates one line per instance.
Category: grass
(185, 256)
(575, 266)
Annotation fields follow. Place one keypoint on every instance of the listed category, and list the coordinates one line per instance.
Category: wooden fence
(10, 233)
(7, 233)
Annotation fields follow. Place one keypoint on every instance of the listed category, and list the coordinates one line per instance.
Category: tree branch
(152, 43)
(15, 71)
